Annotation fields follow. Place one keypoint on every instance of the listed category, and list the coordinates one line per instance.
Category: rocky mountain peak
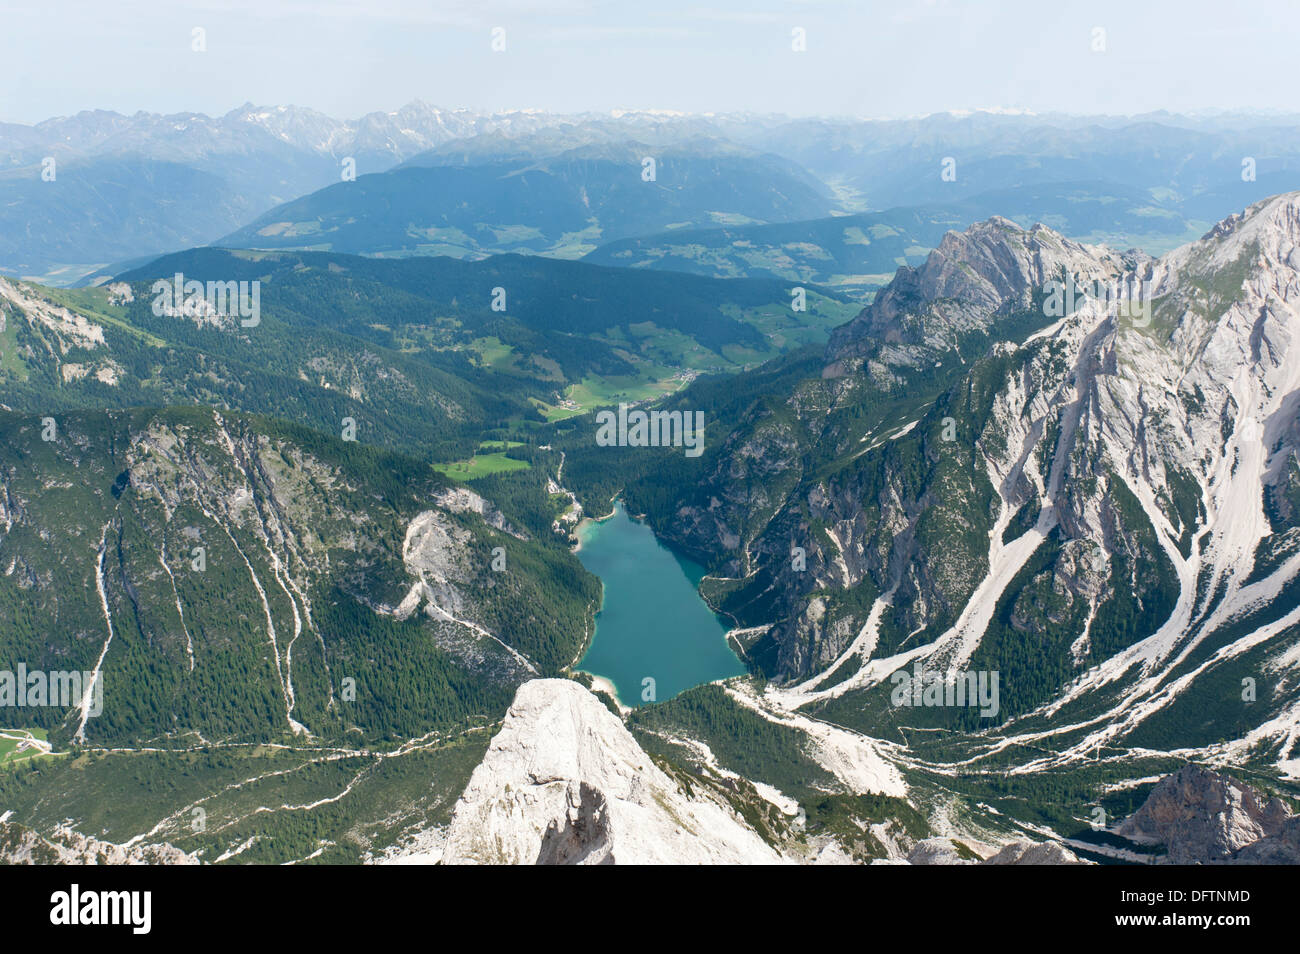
(973, 277)
(565, 782)
(1266, 234)
(1202, 816)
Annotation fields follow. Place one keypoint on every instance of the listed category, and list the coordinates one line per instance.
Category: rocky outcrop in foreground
(944, 851)
(1202, 817)
(564, 782)
(20, 845)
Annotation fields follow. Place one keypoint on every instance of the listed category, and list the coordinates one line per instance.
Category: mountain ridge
(1034, 491)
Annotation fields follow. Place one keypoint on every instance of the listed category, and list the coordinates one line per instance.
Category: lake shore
(587, 522)
(601, 684)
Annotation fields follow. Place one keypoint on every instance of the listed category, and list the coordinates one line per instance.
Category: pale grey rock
(564, 782)
(20, 845)
(1033, 853)
(1203, 817)
(833, 853)
(942, 851)
(464, 500)
(974, 277)
(936, 851)
(1282, 848)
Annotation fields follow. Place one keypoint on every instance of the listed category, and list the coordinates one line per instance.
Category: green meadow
(489, 459)
(10, 739)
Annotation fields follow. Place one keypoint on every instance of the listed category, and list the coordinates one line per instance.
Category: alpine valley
(1011, 562)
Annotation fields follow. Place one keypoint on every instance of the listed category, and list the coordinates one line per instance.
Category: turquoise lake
(653, 622)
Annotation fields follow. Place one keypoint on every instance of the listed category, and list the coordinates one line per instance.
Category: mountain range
(1097, 506)
(122, 189)
(1073, 469)
(998, 495)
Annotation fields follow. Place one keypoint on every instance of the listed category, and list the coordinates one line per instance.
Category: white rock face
(1034, 853)
(20, 845)
(1203, 817)
(69, 328)
(1187, 399)
(943, 851)
(936, 851)
(464, 500)
(564, 782)
(1203, 390)
(965, 284)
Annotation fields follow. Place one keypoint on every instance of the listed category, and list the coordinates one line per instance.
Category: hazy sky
(871, 58)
